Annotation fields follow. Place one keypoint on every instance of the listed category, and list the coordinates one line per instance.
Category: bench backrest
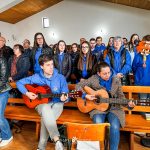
(131, 92)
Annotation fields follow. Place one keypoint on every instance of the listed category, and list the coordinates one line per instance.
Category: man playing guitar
(104, 79)
(51, 111)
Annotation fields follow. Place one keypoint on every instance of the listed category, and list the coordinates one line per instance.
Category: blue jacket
(117, 61)
(57, 83)
(100, 48)
(141, 74)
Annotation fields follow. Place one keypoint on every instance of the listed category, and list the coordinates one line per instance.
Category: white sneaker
(59, 146)
(5, 142)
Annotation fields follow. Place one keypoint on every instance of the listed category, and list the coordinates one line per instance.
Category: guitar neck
(113, 100)
(40, 96)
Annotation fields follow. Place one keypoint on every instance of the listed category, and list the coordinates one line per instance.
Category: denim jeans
(114, 128)
(5, 132)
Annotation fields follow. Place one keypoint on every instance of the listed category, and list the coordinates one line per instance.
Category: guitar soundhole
(97, 101)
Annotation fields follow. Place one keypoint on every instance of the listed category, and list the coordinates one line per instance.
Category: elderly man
(119, 60)
(27, 47)
(5, 51)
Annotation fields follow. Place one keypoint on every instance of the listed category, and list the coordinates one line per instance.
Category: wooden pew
(135, 122)
(22, 112)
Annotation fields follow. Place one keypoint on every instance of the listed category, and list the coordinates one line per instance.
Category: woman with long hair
(62, 60)
(86, 63)
(40, 47)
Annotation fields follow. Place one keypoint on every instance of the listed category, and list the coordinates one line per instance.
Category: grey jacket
(116, 90)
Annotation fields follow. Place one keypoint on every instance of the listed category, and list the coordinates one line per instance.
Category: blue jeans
(5, 132)
(114, 128)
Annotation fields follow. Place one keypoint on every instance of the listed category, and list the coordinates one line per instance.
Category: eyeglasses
(83, 47)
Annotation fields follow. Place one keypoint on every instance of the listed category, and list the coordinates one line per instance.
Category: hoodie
(57, 83)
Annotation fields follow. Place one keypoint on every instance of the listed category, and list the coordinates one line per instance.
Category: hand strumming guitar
(31, 95)
(90, 97)
(64, 97)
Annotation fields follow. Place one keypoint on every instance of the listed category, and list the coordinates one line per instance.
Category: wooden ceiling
(29, 7)
(143, 4)
(25, 9)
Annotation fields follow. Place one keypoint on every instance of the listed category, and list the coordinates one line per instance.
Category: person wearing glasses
(106, 80)
(119, 60)
(86, 62)
(40, 47)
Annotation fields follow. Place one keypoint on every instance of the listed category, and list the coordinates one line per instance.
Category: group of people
(94, 65)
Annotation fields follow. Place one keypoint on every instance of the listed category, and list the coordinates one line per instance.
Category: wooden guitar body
(36, 90)
(86, 106)
(44, 95)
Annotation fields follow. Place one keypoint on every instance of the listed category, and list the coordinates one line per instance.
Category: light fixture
(45, 22)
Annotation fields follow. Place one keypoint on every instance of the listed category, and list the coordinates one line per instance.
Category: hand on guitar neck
(64, 97)
(131, 104)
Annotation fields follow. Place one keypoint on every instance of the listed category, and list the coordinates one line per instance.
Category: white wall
(72, 19)
(8, 31)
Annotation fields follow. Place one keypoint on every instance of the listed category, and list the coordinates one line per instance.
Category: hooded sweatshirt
(57, 83)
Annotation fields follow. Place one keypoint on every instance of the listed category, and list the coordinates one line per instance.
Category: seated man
(51, 111)
(104, 79)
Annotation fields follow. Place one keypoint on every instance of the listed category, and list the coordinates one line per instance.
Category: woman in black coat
(18, 64)
(62, 60)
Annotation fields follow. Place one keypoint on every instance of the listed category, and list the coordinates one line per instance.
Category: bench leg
(37, 130)
(132, 141)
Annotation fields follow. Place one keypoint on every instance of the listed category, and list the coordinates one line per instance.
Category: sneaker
(59, 146)
(5, 142)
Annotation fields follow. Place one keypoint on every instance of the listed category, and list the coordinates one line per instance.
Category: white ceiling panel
(6, 4)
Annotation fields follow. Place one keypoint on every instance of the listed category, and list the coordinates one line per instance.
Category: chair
(87, 132)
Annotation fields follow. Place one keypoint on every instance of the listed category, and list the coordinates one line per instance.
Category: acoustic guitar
(102, 102)
(44, 95)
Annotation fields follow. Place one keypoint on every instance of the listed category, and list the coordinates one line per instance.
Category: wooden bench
(134, 122)
(20, 112)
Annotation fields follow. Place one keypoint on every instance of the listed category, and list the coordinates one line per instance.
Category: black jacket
(46, 50)
(3, 75)
(23, 66)
(6, 52)
(74, 62)
(66, 64)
